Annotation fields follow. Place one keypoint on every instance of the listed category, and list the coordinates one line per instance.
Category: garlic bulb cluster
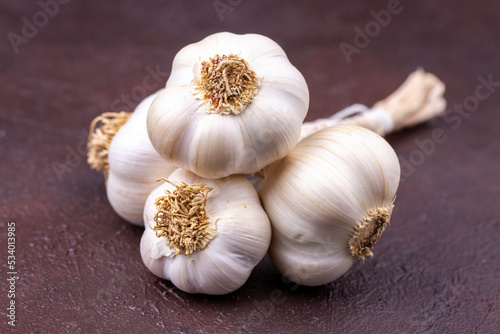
(134, 166)
(329, 200)
(232, 105)
(204, 235)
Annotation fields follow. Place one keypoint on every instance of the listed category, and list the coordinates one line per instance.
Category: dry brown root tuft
(102, 130)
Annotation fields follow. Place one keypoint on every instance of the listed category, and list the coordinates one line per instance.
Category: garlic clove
(294, 260)
(127, 196)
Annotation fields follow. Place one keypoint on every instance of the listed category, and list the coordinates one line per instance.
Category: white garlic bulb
(232, 105)
(204, 240)
(134, 166)
(329, 200)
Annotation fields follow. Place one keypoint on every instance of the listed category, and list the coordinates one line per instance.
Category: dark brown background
(437, 268)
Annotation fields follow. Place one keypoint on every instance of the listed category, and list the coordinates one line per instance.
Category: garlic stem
(417, 100)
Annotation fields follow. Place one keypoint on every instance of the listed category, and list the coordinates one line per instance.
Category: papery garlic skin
(243, 234)
(134, 166)
(317, 196)
(215, 145)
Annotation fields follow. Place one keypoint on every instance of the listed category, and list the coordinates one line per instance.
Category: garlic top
(225, 84)
(329, 201)
(232, 105)
(204, 235)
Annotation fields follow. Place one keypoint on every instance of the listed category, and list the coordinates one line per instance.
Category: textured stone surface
(437, 267)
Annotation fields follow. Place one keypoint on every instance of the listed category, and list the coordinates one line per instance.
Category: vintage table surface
(437, 267)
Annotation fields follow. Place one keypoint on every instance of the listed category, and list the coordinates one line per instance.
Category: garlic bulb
(329, 200)
(232, 105)
(134, 166)
(204, 235)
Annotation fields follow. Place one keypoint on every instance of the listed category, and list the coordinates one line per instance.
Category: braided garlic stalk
(417, 100)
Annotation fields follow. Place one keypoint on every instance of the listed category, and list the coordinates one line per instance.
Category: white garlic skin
(134, 166)
(319, 193)
(224, 265)
(214, 145)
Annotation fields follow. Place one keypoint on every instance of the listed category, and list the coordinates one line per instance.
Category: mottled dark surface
(437, 267)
